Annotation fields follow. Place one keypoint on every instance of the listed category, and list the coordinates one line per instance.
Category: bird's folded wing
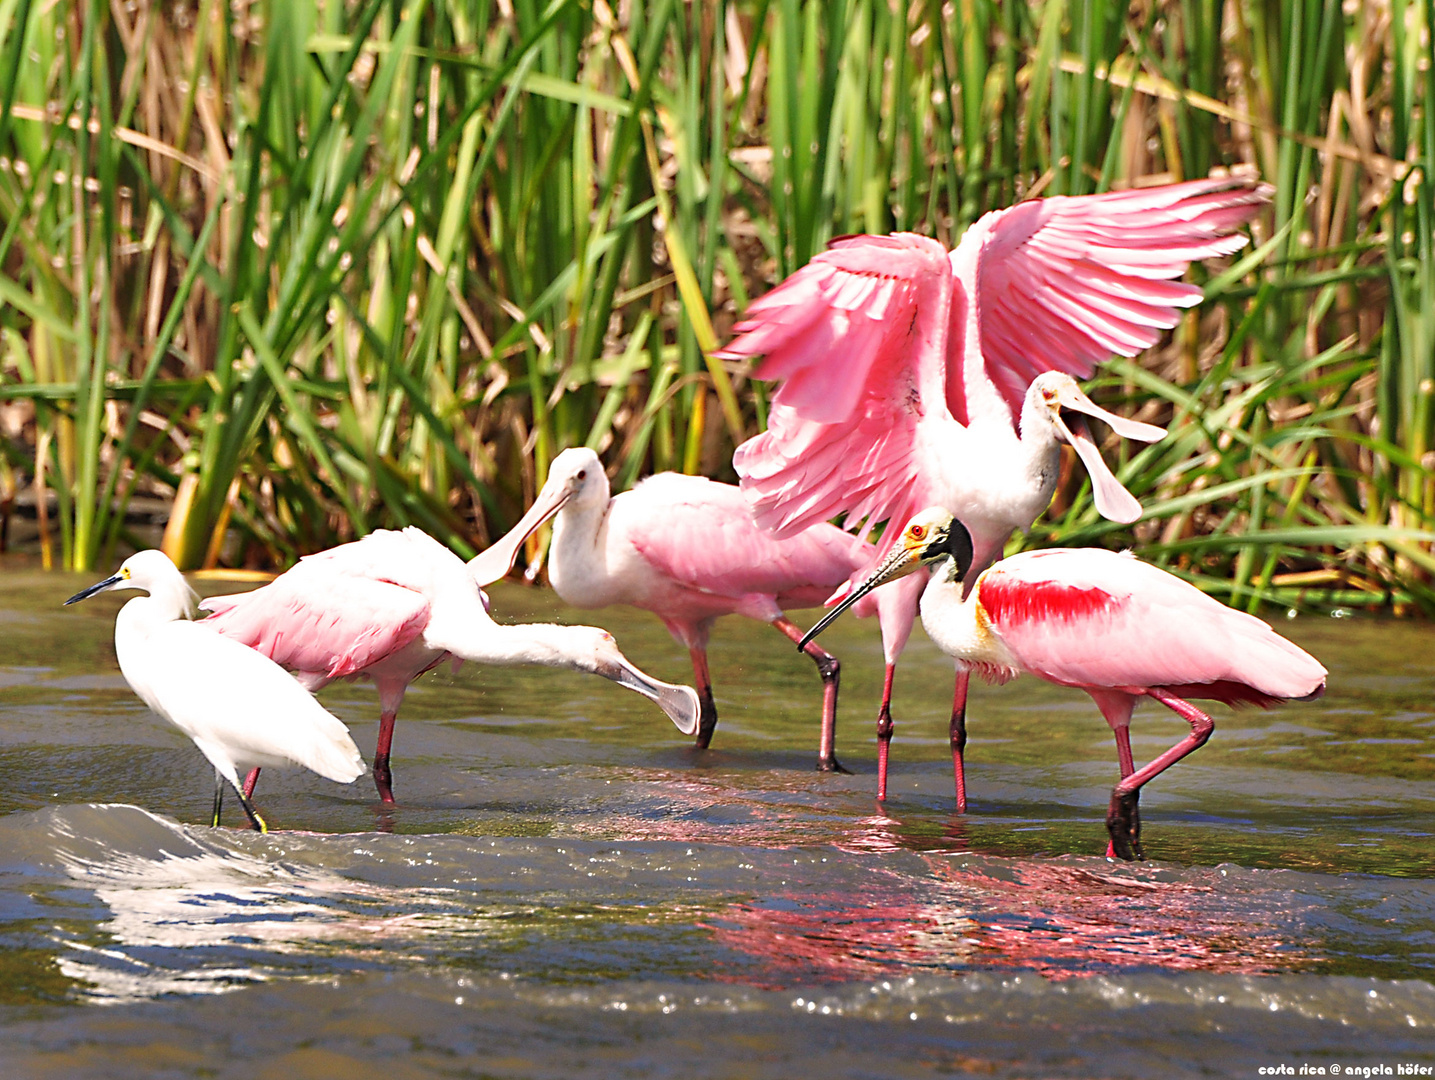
(220, 693)
(841, 334)
(1066, 282)
(705, 537)
(314, 620)
(1089, 617)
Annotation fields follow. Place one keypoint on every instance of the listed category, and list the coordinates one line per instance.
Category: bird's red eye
(582, 474)
(918, 531)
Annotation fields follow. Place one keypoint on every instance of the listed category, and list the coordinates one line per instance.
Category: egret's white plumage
(241, 709)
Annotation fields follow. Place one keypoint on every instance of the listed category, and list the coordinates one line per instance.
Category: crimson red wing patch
(1010, 601)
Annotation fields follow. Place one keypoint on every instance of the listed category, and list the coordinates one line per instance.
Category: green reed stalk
(358, 266)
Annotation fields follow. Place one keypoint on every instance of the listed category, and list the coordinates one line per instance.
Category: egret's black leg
(249, 812)
(218, 799)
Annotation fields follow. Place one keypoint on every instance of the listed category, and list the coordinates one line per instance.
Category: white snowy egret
(241, 709)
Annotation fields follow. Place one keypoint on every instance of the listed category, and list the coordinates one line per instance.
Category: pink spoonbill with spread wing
(687, 549)
(393, 605)
(914, 377)
(1116, 627)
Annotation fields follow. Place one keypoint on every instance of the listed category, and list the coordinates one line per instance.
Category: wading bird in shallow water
(686, 549)
(1116, 627)
(241, 709)
(912, 377)
(393, 605)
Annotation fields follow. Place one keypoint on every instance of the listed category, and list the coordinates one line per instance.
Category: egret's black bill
(99, 586)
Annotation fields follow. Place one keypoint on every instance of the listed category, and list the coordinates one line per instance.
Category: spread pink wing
(702, 534)
(320, 622)
(1093, 618)
(1066, 282)
(855, 335)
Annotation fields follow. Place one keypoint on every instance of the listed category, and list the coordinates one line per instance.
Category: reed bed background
(312, 268)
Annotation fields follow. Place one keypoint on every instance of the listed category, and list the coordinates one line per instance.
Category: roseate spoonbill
(905, 368)
(393, 605)
(1116, 627)
(686, 548)
(241, 709)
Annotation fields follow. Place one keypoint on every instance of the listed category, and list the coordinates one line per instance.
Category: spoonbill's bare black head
(931, 537)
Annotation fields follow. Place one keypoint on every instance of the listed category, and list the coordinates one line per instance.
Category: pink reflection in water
(1064, 920)
(1060, 921)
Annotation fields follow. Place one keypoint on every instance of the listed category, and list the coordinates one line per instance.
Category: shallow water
(566, 890)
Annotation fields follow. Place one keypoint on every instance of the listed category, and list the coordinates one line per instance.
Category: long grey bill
(898, 559)
(496, 561)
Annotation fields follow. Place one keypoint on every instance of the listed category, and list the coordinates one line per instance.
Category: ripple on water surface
(565, 890)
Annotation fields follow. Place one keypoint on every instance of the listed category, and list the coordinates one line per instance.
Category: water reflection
(1066, 920)
(565, 879)
(1058, 920)
(829, 938)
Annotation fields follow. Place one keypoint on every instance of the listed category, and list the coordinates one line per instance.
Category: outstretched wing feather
(841, 432)
(1065, 282)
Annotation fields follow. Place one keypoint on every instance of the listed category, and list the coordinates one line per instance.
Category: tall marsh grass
(314, 268)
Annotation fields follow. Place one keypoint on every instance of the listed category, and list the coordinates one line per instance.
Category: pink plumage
(887, 345)
(913, 377)
(1121, 629)
(1098, 620)
(392, 606)
(321, 623)
(686, 548)
(1106, 623)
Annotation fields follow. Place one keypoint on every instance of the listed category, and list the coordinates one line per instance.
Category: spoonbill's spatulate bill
(1116, 627)
(687, 549)
(393, 605)
(241, 709)
(912, 377)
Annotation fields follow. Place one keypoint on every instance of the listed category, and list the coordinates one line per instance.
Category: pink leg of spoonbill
(831, 672)
(707, 711)
(1123, 751)
(958, 736)
(885, 727)
(383, 778)
(1121, 819)
(249, 782)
